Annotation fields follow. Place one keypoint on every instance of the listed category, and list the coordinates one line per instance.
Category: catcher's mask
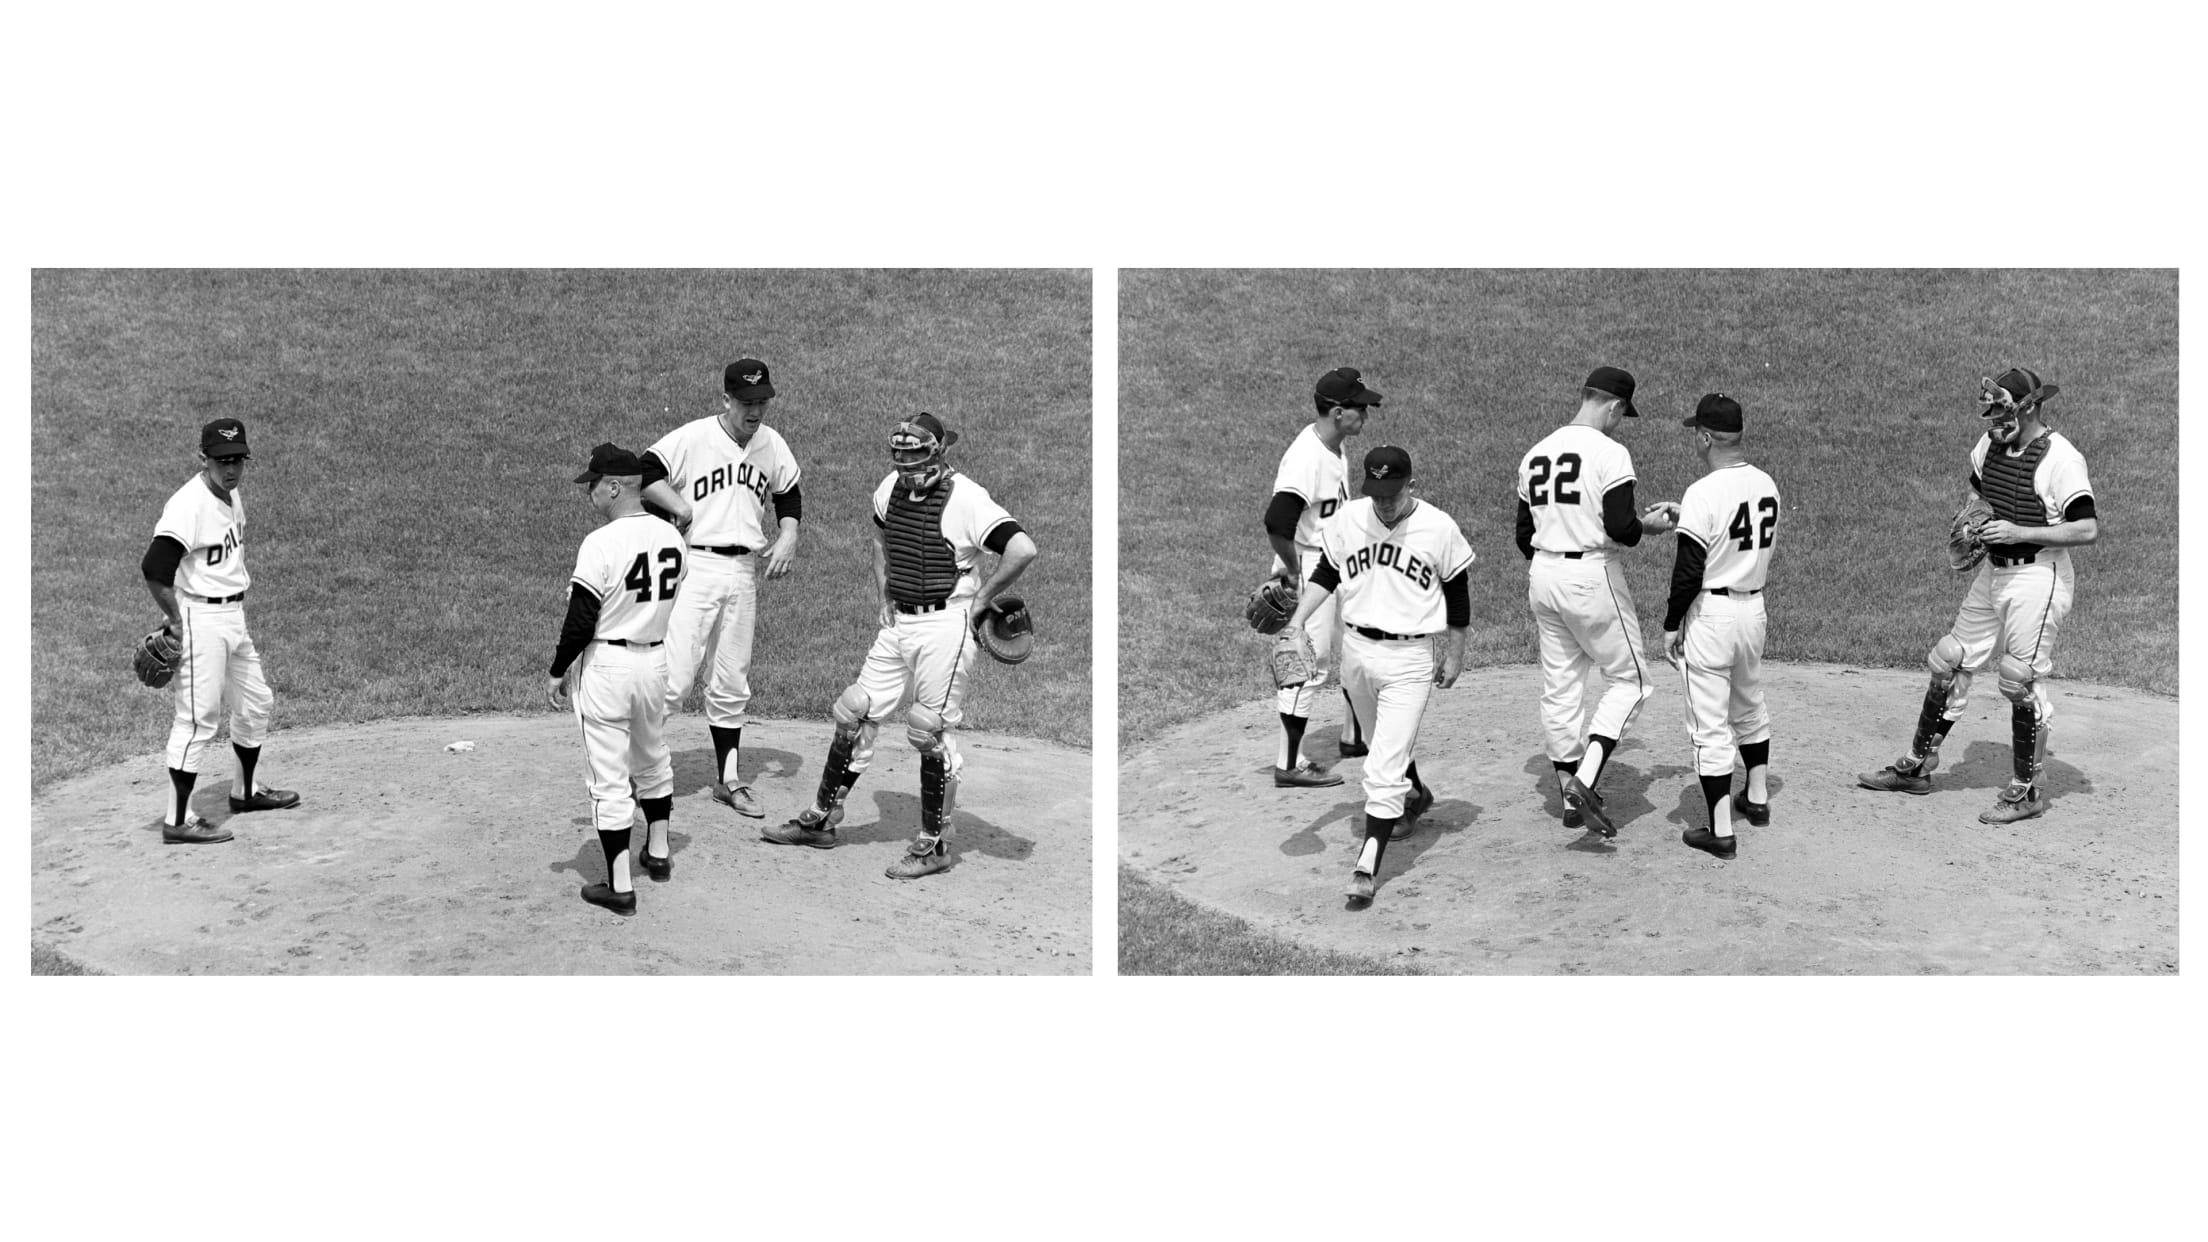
(2017, 392)
(916, 449)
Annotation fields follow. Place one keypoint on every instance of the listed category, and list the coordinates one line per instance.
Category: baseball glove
(1005, 629)
(1965, 547)
(1293, 662)
(153, 658)
(1270, 606)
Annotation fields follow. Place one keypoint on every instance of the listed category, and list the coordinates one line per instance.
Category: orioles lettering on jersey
(740, 475)
(1390, 556)
(216, 552)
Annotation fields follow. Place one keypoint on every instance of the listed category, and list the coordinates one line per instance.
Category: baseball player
(931, 524)
(1575, 516)
(1398, 568)
(2035, 481)
(1727, 521)
(1313, 482)
(712, 477)
(628, 575)
(195, 570)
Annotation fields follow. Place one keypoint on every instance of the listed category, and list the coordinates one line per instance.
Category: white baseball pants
(1723, 668)
(717, 608)
(1584, 612)
(219, 662)
(1388, 681)
(621, 700)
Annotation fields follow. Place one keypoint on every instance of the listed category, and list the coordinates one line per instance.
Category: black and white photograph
(548, 622)
(1678, 622)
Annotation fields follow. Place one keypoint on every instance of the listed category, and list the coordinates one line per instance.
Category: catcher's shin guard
(2027, 741)
(1929, 716)
(938, 793)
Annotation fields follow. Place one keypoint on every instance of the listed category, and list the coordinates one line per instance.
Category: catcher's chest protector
(922, 567)
(2008, 485)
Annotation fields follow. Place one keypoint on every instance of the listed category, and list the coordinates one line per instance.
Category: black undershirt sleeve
(654, 469)
(1326, 575)
(1456, 596)
(1000, 535)
(1620, 520)
(164, 554)
(1525, 528)
(2078, 510)
(1686, 581)
(1281, 514)
(1976, 486)
(580, 627)
(789, 504)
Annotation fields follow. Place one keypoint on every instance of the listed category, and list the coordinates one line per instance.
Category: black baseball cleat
(1354, 750)
(603, 895)
(1708, 842)
(1587, 802)
(265, 800)
(660, 869)
(194, 831)
(1305, 775)
(1360, 888)
(1758, 814)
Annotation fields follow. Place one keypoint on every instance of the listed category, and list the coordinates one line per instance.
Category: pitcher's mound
(1845, 880)
(406, 858)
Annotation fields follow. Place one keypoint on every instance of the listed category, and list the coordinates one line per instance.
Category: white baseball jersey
(1733, 512)
(726, 483)
(212, 531)
(968, 517)
(1316, 473)
(2060, 479)
(1563, 479)
(633, 564)
(1391, 579)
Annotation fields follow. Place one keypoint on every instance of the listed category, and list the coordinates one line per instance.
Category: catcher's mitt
(153, 658)
(1270, 606)
(1293, 662)
(1005, 629)
(1965, 547)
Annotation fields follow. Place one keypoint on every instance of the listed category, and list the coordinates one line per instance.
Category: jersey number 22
(1567, 473)
(639, 577)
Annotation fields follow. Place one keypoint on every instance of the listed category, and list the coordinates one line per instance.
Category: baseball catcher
(2032, 483)
(154, 657)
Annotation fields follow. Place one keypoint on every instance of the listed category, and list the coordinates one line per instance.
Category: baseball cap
(2013, 388)
(1387, 469)
(1615, 382)
(918, 426)
(610, 459)
(746, 380)
(1341, 386)
(1715, 412)
(224, 437)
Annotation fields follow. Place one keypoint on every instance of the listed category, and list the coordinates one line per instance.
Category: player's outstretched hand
(1662, 517)
(555, 691)
(780, 556)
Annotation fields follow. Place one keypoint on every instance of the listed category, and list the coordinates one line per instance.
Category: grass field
(1859, 389)
(412, 522)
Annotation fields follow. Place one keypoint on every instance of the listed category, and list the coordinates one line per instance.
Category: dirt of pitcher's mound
(1844, 880)
(406, 858)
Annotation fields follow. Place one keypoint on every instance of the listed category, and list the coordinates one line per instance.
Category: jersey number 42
(639, 577)
(1758, 534)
